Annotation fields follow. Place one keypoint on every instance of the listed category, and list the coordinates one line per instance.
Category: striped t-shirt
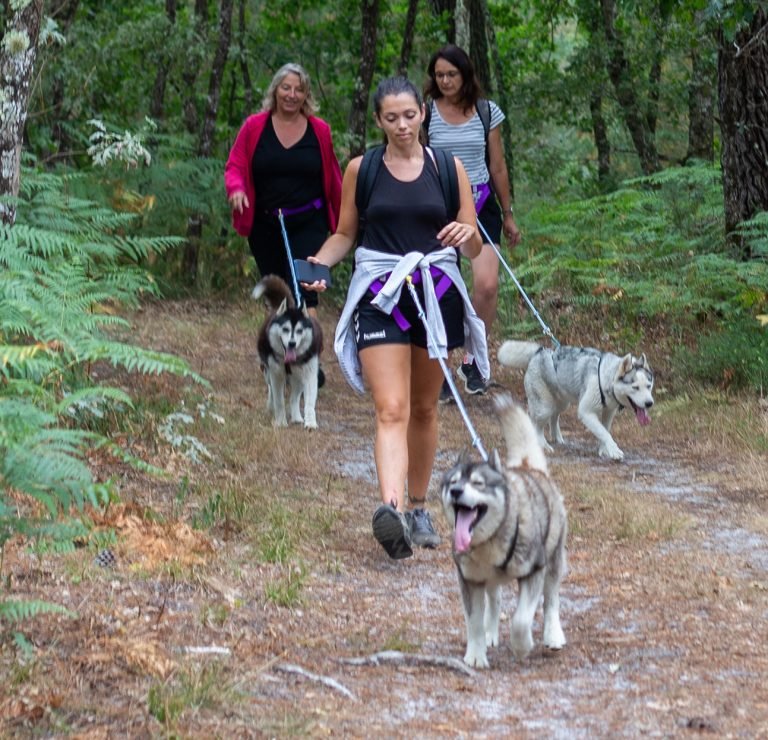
(464, 140)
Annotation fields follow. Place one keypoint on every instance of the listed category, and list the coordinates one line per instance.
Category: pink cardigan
(239, 176)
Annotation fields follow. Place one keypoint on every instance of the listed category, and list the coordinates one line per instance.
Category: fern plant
(68, 266)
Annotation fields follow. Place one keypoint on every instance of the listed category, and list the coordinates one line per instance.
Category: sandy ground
(666, 629)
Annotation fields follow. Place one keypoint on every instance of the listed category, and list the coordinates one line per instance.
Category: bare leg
(387, 370)
(485, 285)
(426, 380)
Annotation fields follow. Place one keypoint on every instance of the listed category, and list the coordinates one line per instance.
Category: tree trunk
(600, 133)
(501, 98)
(205, 143)
(618, 71)
(358, 115)
(196, 56)
(478, 42)
(446, 9)
(407, 47)
(247, 82)
(157, 102)
(65, 14)
(17, 62)
(743, 82)
(701, 100)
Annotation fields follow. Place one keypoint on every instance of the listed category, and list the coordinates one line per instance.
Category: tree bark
(358, 115)
(478, 42)
(408, 33)
(502, 99)
(701, 99)
(446, 9)
(743, 103)
(205, 142)
(157, 102)
(17, 62)
(619, 73)
(193, 64)
(64, 14)
(247, 82)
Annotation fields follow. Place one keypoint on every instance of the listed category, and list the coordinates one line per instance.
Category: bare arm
(500, 182)
(338, 245)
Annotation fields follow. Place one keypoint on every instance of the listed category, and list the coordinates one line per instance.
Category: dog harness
(600, 386)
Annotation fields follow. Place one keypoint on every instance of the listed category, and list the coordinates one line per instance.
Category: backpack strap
(484, 112)
(366, 177)
(449, 181)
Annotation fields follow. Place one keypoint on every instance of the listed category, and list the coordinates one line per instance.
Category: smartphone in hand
(309, 272)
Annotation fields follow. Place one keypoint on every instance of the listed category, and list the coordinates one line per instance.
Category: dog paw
(492, 639)
(522, 643)
(476, 659)
(612, 452)
(554, 639)
(280, 423)
(310, 424)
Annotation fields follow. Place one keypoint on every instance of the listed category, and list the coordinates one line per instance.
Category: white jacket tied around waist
(370, 265)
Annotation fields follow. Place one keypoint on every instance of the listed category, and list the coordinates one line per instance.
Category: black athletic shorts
(373, 326)
(490, 218)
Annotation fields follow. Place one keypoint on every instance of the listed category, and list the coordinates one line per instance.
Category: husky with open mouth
(509, 523)
(600, 383)
(289, 346)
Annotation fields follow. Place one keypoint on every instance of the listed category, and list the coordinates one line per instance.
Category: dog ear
(464, 457)
(495, 461)
(627, 363)
(642, 361)
(283, 306)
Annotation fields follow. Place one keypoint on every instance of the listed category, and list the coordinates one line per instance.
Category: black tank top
(405, 217)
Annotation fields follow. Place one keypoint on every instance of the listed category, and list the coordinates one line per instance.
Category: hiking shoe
(445, 393)
(393, 532)
(473, 381)
(320, 376)
(422, 531)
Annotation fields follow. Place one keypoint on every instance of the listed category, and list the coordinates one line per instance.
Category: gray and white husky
(509, 523)
(600, 383)
(289, 346)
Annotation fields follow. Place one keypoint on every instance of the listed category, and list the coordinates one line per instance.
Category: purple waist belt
(317, 204)
(481, 192)
(440, 289)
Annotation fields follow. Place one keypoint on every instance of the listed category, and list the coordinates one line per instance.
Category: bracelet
(508, 210)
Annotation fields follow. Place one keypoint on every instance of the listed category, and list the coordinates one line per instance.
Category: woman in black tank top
(406, 214)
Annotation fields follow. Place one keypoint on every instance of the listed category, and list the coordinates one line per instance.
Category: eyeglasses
(450, 75)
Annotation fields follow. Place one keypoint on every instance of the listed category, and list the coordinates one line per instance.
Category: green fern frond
(15, 611)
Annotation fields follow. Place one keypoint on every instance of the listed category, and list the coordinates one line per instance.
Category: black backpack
(483, 110)
(371, 166)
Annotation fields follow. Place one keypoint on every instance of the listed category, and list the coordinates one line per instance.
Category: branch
(398, 658)
(330, 682)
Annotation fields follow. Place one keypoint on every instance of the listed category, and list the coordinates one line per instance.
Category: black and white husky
(289, 346)
(509, 524)
(600, 383)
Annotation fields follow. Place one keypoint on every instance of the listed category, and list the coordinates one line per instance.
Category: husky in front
(509, 524)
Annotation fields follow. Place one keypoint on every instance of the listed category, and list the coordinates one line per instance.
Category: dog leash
(296, 291)
(544, 327)
(476, 441)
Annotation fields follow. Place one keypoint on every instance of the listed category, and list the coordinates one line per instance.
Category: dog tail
(522, 441)
(517, 354)
(274, 290)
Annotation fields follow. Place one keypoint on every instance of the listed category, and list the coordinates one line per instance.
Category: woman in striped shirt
(465, 124)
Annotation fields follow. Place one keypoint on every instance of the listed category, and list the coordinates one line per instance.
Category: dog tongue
(462, 537)
(290, 356)
(642, 417)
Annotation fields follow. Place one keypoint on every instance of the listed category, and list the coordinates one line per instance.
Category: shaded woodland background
(636, 136)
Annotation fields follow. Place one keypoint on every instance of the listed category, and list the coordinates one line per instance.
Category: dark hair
(470, 87)
(394, 86)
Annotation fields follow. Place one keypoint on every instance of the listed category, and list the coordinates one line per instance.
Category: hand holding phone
(310, 272)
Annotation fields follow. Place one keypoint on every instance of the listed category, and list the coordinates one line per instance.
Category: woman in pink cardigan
(283, 159)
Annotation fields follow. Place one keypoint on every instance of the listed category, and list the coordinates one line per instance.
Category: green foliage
(650, 254)
(68, 266)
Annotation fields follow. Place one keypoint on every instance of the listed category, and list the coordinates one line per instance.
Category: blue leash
(544, 327)
(296, 290)
(476, 441)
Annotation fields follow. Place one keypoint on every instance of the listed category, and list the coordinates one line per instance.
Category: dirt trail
(666, 634)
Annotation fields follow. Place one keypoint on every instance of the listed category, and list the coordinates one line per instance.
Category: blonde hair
(269, 102)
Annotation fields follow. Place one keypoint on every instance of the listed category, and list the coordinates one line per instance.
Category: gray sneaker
(392, 530)
(422, 531)
(473, 381)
